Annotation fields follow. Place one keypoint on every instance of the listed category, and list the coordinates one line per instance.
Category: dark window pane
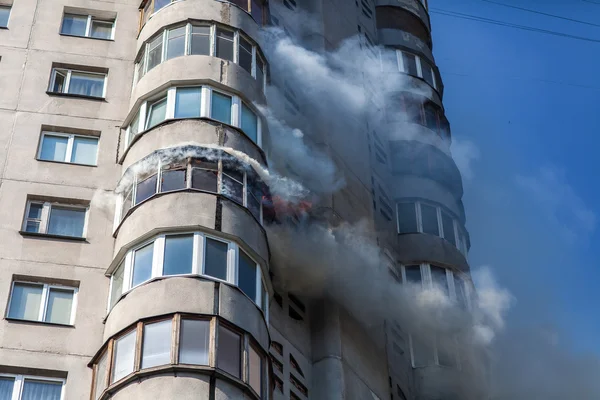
(221, 107)
(145, 189)
(215, 260)
(200, 41)
(175, 42)
(4, 14)
(194, 342)
(243, 4)
(254, 206)
(229, 352)
(178, 255)
(174, 179)
(232, 189)
(204, 179)
(142, 264)
(446, 350)
(422, 353)
(257, 11)
(35, 211)
(413, 273)
(59, 82)
(427, 73)
(439, 279)
(448, 225)
(247, 275)
(429, 220)
(410, 64)
(260, 70)
(407, 218)
(245, 54)
(431, 120)
(249, 123)
(74, 24)
(66, 221)
(225, 44)
(187, 102)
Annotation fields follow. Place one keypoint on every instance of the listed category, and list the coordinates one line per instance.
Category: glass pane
(228, 351)
(232, 189)
(245, 54)
(156, 349)
(127, 203)
(101, 29)
(461, 294)
(187, 102)
(124, 356)
(407, 218)
(175, 42)
(446, 352)
(247, 275)
(35, 210)
(101, 370)
(173, 180)
(204, 179)
(54, 148)
(117, 285)
(66, 221)
(158, 4)
(73, 24)
(215, 260)
(413, 273)
(85, 150)
(193, 345)
(157, 114)
(200, 41)
(253, 205)
(145, 189)
(6, 384)
(410, 64)
(422, 353)
(41, 390)
(448, 225)
(134, 126)
(427, 73)
(4, 13)
(86, 84)
(243, 4)
(60, 303)
(439, 279)
(221, 107)
(32, 226)
(59, 81)
(249, 123)
(257, 11)
(429, 220)
(260, 70)
(256, 368)
(25, 301)
(178, 255)
(225, 44)
(142, 264)
(155, 52)
(431, 120)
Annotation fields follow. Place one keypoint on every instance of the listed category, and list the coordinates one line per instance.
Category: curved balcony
(405, 41)
(406, 16)
(421, 73)
(417, 247)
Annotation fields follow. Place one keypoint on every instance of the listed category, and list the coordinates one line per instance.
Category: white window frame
(19, 383)
(46, 287)
(69, 72)
(198, 264)
(46, 213)
(69, 152)
(88, 27)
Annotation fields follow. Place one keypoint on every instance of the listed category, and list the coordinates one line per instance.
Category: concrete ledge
(420, 247)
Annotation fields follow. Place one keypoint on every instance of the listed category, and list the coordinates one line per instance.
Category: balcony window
(429, 219)
(255, 370)
(55, 219)
(221, 107)
(229, 351)
(42, 302)
(124, 356)
(173, 177)
(156, 113)
(142, 264)
(413, 274)
(87, 26)
(417, 66)
(247, 276)
(194, 342)
(116, 284)
(178, 255)
(187, 102)
(215, 259)
(410, 64)
(439, 279)
(225, 44)
(205, 176)
(245, 54)
(155, 50)
(156, 348)
(249, 123)
(145, 189)
(101, 375)
(233, 185)
(4, 14)
(80, 83)
(448, 228)
(176, 42)
(200, 42)
(451, 283)
(74, 149)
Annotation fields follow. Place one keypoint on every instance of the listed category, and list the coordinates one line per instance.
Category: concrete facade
(157, 198)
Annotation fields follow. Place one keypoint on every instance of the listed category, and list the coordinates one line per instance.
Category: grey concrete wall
(184, 386)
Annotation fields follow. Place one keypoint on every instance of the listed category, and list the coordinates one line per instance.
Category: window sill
(29, 321)
(80, 96)
(52, 236)
(67, 163)
(86, 37)
(4, 27)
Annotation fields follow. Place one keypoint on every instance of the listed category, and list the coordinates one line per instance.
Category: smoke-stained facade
(227, 200)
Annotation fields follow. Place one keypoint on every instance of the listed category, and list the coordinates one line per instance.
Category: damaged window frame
(138, 124)
(257, 56)
(198, 269)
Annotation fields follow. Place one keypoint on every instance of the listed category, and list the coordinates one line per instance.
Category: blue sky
(528, 102)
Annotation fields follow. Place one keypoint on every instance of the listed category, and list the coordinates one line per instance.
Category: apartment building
(135, 260)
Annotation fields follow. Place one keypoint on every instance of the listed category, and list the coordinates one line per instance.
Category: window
(175, 42)
(42, 302)
(232, 184)
(422, 353)
(229, 351)
(431, 116)
(101, 375)
(215, 259)
(145, 188)
(255, 370)
(410, 63)
(187, 102)
(460, 291)
(448, 281)
(79, 83)
(204, 176)
(448, 228)
(428, 74)
(87, 26)
(407, 218)
(156, 349)
(4, 14)
(247, 275)
(221, 107)
(413, 274)
(416, 66)
(55, 219)
(142, 264)
(439, 279)
(124, 356)
(173, 177)
(245, 54)
(21, 387)
(249, 123)
(194, 342)
(178, 255)
(156, 113)
(224, 45)
(200, 42)
(74, 149)
(429, 219)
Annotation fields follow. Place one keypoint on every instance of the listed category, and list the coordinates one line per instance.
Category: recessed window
(30, 388)
(42, 302)
(194, 342)
(117, 284)
(80, 83)
(4, 14)
(229, 351)
(55, 219)
(87, 26)
(69, 148)
(156, 349)
(124, 356)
